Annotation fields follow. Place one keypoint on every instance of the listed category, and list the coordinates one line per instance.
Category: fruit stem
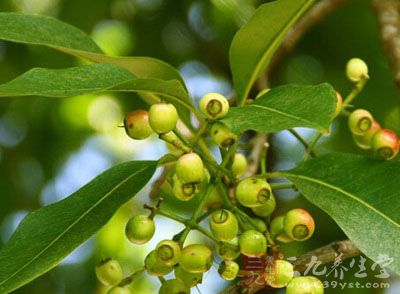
(279, 186)
(356, 90)
(312, 144)
(263, 157)
(302, 141)
(129, 279)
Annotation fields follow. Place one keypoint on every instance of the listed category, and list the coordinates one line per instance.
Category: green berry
(253, 192)
(228, 270)
(119, 290)
(163, 117)
(140, 229)
(385, 144)
(224, 225)
(299, 224)
(168, 252)
(252, 243)
(136, 124)
(189, 279)
(281, 274)
(190, 168)
(365, 141)
(360, 121)
(184, 192)
(339, 104)
(277, 230)
(154, 267)
(214, 105)
(259, 225)
(228, 250)
(109, 272)
(196, 258)
(222, 135)
(305, 285)
(356, 70)
(174, 286)
(239, 164)
(267, 208)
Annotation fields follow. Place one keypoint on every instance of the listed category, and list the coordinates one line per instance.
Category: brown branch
(253, 159)
(388, 17)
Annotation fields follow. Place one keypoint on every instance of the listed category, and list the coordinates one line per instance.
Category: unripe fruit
(189, 279)
(228, 250)
(277, 230)
(190, 168)
(228, 270)
(140, 229)
(214, 105)
(184, 192)
(365, 141)
(119, 290)
(253, 192)
(168, 252)
(109, 272)
(356, 69)
(299, 224)
(305, 285)
(267, 208)
(163, 117)
(239, 164)
(222, 135)
(136, 124)
(282, 273)
(252, 243)
(259, 225)
(154, 267)
(174, 286)
(214, 199)
(360, 121)
(196, 258)
(385, 144)
(339, 104)
(224, 225)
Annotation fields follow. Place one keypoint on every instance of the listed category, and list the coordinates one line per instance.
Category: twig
(388, 17)
(258, 142)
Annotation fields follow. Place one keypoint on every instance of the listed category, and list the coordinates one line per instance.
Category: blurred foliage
(49, 148)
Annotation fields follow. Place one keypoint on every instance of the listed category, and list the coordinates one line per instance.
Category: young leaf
(286, 107)
(49, 234)
(361, 195)
(255, 43)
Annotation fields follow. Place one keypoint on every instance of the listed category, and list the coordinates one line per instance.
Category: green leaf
(49, 234)
(255, 43)
(286, 107)
(361, 195)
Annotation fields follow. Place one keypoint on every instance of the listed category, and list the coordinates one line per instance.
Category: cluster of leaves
(353, 190)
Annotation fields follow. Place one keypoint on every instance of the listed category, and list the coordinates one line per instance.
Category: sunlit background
(51, 147)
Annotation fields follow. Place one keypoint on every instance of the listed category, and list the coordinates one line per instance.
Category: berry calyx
(229, 250)
(184, 192)
(280, 274)
(252, 243)
(174, 286)
(163, 117)
(356, 70)
(277, 230)
(168, 252)
(214, 105)
(239, 164)
(228, 270)
(305, 285)
(385, 144)
(339, 104)
(299, 224)
(109, 272)
(266, 209)
(189, 279)
(224, 225)
(360, 121)
(365, 141)
(190, 168)
(119, 290)
(140, 229)
(154, 267)
(253, 192)
(136, 124)
(222, 135)
(196, 258)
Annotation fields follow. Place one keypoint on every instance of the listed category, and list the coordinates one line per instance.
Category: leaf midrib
(72, 225)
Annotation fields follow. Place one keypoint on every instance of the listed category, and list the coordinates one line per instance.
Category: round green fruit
(239, 164)
(224, 225)
(277, 230)
(189, 279)
(109, 272)
(365, 141)
(305, 285)
(229, 250)
(168, 252)
(190, 168)
(184, 192)
(140, 229)
(267, 208)
(280, 276)
(163, 117)
(253, 192)
(196, 258)
(356, 70)
(154, 267)
(119, 290)
(299, 224)
(214, 105)
(360, 122)
(252, 243)
(385, 144)
(174, 286)
(222, 135)
(228, 270)
(136, 124)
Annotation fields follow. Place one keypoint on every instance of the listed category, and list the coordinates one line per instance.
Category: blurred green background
(51, 147)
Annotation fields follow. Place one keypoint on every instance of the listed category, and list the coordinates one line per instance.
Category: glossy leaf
(255, 43)
(286, 107)
(49, 234)
(361, 195)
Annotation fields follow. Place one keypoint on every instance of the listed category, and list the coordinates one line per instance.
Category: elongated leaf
(49, 234)
(361, 195)
(255, 43)
(286, 107)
